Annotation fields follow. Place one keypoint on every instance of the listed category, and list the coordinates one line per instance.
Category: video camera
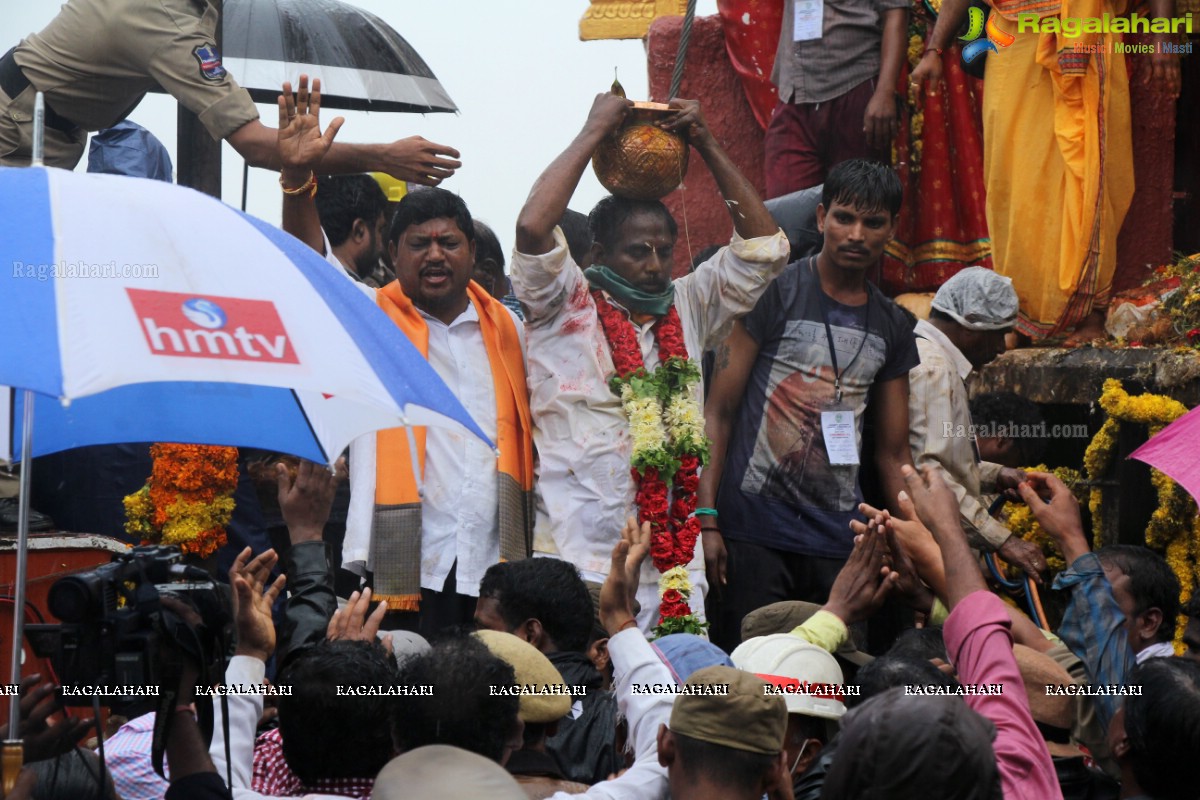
(116, 633)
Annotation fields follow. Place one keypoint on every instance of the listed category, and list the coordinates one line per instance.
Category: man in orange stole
(425, 549)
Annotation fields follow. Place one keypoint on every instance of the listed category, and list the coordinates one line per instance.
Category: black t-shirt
(778, 487)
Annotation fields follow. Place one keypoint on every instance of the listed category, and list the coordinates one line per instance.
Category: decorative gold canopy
(625, 19)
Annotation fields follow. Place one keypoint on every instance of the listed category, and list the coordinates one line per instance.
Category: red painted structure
(51, 556)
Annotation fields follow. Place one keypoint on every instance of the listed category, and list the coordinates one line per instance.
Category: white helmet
(808, 676)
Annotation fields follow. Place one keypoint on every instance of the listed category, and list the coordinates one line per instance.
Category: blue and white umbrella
(127, 282)
(161, 314)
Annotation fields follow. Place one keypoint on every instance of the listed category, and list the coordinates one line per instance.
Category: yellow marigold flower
(675, 578)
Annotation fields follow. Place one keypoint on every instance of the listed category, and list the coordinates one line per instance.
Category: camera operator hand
(252, 601)
(44, 740)
(186, 751)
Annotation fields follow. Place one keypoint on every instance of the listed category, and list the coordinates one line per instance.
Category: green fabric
(823, 629)
(628, 295)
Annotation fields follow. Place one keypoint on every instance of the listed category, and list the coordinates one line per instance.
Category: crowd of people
(725, 537)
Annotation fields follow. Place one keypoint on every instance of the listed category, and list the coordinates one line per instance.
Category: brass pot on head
(641, 160)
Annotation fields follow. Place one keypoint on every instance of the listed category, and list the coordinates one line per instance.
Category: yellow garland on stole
(1175, 525)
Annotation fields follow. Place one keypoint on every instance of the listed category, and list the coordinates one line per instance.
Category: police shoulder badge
(210, 62)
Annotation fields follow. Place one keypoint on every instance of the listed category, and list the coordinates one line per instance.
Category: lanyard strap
(837, 374)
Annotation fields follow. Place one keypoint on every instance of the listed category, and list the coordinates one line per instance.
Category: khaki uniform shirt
(98, 58)
(939, 419)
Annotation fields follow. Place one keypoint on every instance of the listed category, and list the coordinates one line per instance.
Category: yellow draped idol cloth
(1058, 162)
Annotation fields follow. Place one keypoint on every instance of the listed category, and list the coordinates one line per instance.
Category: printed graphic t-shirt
(778, 488)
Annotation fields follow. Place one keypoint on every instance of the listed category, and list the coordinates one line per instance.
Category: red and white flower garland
(667, 428)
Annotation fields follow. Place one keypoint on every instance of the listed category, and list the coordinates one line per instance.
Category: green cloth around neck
(628, 295)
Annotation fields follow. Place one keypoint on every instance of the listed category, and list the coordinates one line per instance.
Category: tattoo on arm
(721, 359)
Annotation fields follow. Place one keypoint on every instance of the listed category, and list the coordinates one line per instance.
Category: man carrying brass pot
(589, 332)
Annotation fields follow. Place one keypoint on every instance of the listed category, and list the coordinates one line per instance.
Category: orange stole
(395, 481)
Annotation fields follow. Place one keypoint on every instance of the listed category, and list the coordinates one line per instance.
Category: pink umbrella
(1173, 452)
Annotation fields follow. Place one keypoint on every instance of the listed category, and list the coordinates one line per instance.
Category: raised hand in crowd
(414, 159)
(937, 508)
(42, 739)
(353, 624)
(906, 534)
(253, 598)
(1055, 508)
(306, 496)
(899, 567)
(862, 585)
(617, 593)
(302, 145)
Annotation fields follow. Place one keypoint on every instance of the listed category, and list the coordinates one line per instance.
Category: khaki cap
(785, 616)
(1038, 671)
(447, 773)
(747, 718)
(544, 700)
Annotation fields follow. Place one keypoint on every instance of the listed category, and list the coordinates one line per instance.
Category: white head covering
(978, 299)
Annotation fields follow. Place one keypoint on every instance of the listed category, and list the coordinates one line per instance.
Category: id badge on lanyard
(807, 20)
(840, 434)
(838, 427)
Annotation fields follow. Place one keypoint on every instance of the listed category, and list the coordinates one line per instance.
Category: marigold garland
(1175, 525)
(1182, 305)
(666, 426)
(1020, 520)
(188, 499)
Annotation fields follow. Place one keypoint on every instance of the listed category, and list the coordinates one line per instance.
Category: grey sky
(521, 78)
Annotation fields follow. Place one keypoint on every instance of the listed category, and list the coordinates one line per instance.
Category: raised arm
(305, 500)
(750, 217)
(300, 147)
(1093, 625)
(938, 510)
(553, 189)
(414, 159)
(735, 358)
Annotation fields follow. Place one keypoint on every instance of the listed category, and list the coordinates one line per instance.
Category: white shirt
(337, 262)
(244, 711)
(584, 488)
(635, 662)
(459, 519)
(939, 418)
(459, 510)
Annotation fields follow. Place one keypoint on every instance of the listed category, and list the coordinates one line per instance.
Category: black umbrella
(363, 64)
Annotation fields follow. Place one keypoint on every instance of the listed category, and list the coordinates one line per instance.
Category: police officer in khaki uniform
(97, 59)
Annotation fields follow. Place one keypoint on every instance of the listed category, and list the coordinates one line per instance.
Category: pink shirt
(980, 645)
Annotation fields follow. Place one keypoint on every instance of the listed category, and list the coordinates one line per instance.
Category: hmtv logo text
(205, 326)
(996, 38)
